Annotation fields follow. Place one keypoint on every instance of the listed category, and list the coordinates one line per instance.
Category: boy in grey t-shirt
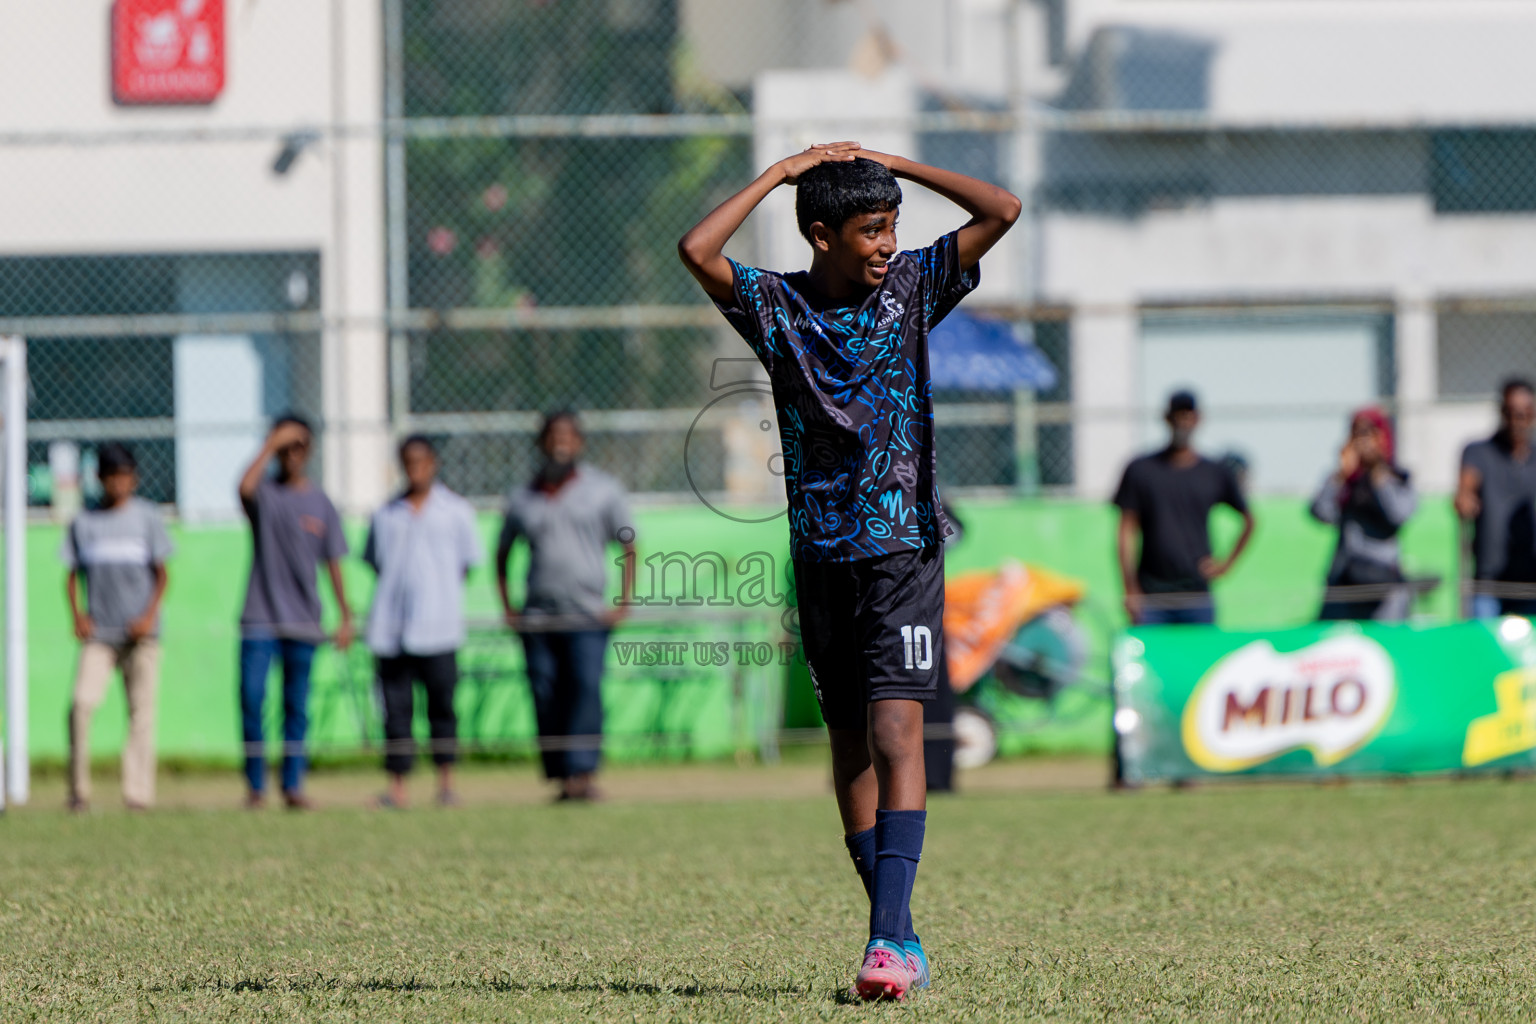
(120, 551)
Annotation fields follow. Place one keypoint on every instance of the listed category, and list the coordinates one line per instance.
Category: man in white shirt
(422, 545)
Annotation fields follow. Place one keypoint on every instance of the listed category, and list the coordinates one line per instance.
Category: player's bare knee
(895, 731)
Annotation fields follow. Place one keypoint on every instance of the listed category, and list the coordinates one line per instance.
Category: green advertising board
(1325, 699)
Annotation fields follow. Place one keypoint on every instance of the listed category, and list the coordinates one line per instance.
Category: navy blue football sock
(861, 847)
(898, 848)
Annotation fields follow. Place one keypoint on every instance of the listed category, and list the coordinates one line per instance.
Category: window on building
(1478, 350)
(170, 396)
(1483, 170)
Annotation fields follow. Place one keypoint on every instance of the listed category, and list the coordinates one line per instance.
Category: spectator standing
(294, 527)
(939, 713)
(1369, 498)
(1497, 495)
(422, 545)
(569, 514)
(119, 550)
(1165, 499)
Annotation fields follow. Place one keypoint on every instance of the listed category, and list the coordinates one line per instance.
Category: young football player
(845, 345)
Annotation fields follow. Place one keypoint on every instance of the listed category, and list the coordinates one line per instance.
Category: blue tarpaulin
(966, 352)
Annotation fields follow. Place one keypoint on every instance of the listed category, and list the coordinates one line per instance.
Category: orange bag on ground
(984, 608)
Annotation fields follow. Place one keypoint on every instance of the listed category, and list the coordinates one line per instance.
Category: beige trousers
(140, 665)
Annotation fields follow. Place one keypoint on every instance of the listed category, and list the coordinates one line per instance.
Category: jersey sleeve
(1397, 498)
(1472, 456)
(471, 552)
(511, 529)
(69, 551)
(1327, 503)
(1232, 491)
(371, 545)
(944, 283)
(751, 315)
(335, 543)
(160, 546)
(1128, 496)
(619, 523)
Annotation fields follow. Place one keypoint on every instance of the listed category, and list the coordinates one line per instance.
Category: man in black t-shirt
(1166, 497)
(1496, 494)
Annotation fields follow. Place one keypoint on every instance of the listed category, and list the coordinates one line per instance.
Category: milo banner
(1336, 698)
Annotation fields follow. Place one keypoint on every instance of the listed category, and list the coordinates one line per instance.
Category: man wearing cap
(1165, 500)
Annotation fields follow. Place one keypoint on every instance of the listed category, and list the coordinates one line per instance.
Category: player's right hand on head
(820, 153)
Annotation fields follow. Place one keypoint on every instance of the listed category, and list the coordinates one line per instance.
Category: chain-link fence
(450, 216)
(481, 227)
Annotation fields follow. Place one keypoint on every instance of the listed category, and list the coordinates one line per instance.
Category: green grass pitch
(1369, 902)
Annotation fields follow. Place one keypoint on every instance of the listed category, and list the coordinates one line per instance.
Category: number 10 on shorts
(917, 644)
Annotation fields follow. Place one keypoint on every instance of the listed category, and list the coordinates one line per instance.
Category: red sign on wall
(167, 51)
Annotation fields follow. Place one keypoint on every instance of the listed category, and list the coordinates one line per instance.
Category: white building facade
(186, 272)
(1294, 208)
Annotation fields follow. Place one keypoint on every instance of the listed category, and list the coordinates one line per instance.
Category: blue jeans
(1486, 606)
(565, 674)
(1189, 615)
(298, 656)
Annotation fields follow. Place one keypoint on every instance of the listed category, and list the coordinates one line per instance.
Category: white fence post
(13, 410)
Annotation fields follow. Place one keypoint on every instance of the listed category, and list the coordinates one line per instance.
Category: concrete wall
(955, 45)
(798, 108)
(1351, 61)
(1338, 219)
(291, 65)
(1262, 238)
(1281, 251)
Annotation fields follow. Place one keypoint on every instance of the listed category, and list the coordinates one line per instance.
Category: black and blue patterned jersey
(855, 405)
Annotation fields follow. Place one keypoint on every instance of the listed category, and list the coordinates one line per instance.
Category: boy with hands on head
(845, 345)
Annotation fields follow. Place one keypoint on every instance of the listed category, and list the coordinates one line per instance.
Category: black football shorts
(872, 630)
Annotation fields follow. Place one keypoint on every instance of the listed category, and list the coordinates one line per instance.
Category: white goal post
(13, 515)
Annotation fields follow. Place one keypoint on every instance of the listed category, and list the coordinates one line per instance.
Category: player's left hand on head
(811, 156)
(880, 158)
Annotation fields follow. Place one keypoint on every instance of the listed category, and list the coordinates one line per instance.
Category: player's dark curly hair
(834, 191)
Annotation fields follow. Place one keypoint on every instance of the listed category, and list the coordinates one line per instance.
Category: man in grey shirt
(120, 550)
(294, 527)
(1497, 495)
(422, 545)
(569, 514)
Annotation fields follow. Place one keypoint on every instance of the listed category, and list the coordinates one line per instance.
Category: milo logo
(1256, 703)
